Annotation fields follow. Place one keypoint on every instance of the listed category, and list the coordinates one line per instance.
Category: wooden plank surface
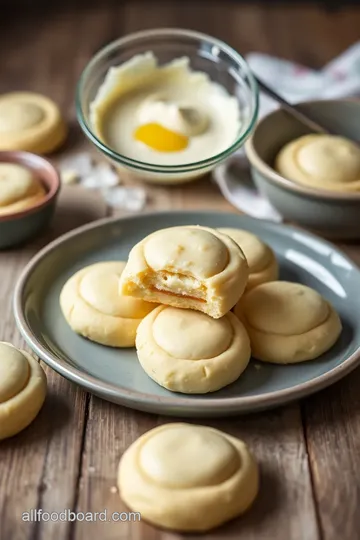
(276, 439)
(68, 458)
(40, 467)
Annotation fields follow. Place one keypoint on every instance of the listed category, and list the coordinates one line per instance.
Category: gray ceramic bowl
(18, 227)
(331, 214)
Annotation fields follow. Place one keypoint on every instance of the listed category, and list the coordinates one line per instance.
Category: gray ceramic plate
(116, 375)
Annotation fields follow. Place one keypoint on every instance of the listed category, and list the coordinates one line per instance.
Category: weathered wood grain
(332, 430)
(275, 438)
(333, 439)
(39, 468)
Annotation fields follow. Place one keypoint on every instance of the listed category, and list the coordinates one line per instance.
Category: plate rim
(186, 404)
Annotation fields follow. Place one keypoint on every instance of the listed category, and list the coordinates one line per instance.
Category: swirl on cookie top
(205, 337)
(19, 115)
(14, 372)
(322, 161)
(98, 285)
(287, 309)
(19, 188)
(190, 352)
(192, 266)
(288, 322)
(188, 477)
(262, 262)
(258, 254)
(22, 389)
(94, 308)
(171, 457)
(187, 251)
(30, 122)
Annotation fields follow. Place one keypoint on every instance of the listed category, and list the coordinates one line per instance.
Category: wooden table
(309, 452)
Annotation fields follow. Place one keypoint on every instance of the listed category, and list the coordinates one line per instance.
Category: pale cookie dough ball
(261, 259)
(188, 478)
(22, 389)
(288, 322)
(321, 161)
(187, 267)
(93, 307)
(189, 352)
(19, 188)
(30, 122)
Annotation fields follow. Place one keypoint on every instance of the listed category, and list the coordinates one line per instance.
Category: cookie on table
(91, 304)
(187, 267)
(190, 352)
(22, 389)
(19, 188)
(261, 259)
(188, 478)
(30, 122)
(288, 322)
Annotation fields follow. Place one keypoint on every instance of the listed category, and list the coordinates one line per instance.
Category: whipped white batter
(203, 118)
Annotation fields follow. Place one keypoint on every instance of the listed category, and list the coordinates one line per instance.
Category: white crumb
(108, 177)
(80, 162)
(91, 181)
(69, 176)
(132, 199)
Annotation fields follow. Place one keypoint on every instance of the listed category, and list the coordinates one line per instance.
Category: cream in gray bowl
(333, 213)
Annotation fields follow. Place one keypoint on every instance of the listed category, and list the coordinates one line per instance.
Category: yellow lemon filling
(160, 138)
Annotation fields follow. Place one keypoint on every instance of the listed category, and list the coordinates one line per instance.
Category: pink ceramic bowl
(21, 226)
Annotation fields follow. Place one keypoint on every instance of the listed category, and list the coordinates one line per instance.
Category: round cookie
(93, 307)
(188, 478)
(19, 188)
(22, 389)
(188, 267)
(30, 122)
(189, 352)
(288, 322)
(260, 257)
(321, 161)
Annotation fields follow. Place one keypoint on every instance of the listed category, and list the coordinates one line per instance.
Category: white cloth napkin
(340, 78)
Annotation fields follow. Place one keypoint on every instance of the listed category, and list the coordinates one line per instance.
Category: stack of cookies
(191, 342)
(197, 303)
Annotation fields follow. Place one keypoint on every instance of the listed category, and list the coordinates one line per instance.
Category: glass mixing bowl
(209, 55)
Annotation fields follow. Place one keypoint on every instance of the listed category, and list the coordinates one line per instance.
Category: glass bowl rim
(152, 167)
